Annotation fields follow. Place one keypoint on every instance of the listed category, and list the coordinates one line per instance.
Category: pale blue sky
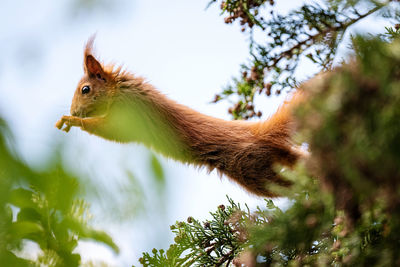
(187, 52)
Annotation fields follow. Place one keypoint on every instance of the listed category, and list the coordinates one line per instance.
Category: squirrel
(117, 105)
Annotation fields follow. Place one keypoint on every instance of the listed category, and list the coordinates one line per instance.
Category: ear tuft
(89, 46)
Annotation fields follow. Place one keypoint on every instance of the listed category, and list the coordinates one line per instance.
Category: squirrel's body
(124, 108)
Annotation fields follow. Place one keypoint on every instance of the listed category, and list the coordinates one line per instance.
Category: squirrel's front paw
(69, 121)
(60, 123)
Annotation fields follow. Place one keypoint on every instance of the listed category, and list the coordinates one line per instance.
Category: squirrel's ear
(90, 64)
(93, 68)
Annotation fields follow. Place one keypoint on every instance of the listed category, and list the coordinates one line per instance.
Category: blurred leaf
(25, 229)
(8, 258)
(28, 214)
(22, 198)
(86, 232)
(100, 236)
(157, 170)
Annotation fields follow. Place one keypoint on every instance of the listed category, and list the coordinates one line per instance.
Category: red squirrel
(120, 106)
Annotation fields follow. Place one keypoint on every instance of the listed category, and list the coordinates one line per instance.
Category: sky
(184, 50)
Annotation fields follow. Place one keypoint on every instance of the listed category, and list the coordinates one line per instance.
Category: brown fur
(124, 108)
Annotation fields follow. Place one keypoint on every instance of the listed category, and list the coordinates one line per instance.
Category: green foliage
(42, 207)
(300, 231)
(351, 124)
(391, 33)
(312, 32)
(366, 157)
(209, 243)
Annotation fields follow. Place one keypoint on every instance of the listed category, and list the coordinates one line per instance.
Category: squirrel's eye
(85, 89)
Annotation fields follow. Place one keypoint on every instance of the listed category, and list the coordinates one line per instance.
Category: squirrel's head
(92, 95)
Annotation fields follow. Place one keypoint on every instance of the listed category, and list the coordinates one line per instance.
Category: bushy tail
(281, 123)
